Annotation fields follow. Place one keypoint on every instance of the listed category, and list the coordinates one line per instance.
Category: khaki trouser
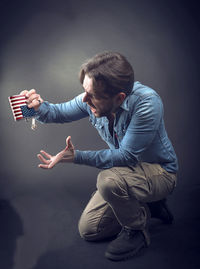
(121, 197)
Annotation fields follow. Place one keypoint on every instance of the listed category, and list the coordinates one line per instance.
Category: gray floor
(38, 230)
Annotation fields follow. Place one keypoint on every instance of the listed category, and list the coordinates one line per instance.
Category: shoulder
(142, 97)
(142, 91)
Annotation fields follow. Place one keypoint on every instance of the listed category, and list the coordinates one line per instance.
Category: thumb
(69, 144)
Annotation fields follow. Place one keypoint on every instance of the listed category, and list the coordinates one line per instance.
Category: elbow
(128, 157)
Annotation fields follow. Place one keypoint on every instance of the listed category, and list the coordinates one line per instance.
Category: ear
(121, 97)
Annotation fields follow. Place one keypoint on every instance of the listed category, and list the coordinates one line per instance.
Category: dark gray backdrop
(43, 44)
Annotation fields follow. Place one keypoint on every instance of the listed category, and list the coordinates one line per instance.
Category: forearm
(105, 158)
(64, 112)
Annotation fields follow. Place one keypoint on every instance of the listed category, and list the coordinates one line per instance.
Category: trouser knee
(92, 229)
(84, 229)
(108, 184)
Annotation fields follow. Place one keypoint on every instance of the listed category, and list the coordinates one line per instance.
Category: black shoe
(160, 210)
(128, 243)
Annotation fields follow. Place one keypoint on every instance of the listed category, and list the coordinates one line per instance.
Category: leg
(124, 188)
(98, 221)
(160, 210)
(113, 187)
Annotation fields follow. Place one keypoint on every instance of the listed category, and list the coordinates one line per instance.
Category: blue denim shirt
(138, 134)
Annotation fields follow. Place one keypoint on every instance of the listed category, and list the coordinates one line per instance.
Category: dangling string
(33, 124)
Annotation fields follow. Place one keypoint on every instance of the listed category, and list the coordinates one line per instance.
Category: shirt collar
(125, 104)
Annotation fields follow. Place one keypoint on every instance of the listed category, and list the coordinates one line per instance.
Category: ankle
(131, 231)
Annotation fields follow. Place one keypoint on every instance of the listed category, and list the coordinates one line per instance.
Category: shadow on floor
(10, 229)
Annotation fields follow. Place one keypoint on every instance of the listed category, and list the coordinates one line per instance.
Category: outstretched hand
(66, 155)
(34, 100)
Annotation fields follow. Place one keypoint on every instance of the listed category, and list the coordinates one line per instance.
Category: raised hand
(66, 155)
(34, 99)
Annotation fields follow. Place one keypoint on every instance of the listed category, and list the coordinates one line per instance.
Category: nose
(85, 98)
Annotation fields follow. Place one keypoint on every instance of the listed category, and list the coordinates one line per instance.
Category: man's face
(100, 104)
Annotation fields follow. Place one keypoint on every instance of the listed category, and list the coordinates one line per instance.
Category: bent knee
(107, 183)
(87, 229)
(91, 231)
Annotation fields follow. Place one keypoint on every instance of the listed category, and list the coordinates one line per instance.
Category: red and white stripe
(16, 101)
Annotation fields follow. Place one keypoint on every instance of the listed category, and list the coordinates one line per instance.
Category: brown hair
(111, 73)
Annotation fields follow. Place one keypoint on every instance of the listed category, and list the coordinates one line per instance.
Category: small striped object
(19, 107)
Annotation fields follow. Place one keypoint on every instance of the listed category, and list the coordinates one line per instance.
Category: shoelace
(130, 232)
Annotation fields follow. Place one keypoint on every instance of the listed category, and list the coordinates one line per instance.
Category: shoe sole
(124, 256)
